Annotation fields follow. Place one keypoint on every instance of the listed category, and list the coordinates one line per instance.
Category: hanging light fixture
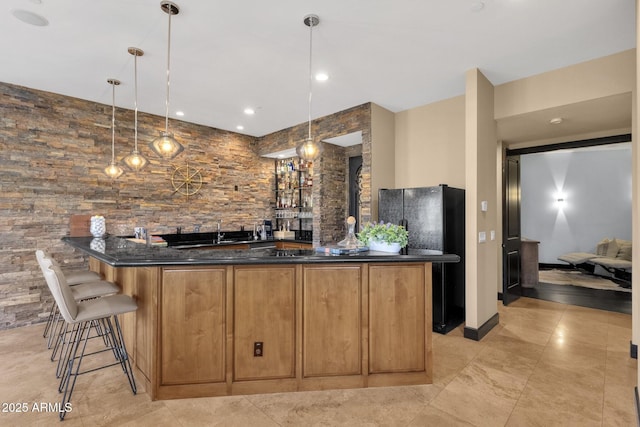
(308, 149)
(113, 171)
(166, 145)
(135, 161)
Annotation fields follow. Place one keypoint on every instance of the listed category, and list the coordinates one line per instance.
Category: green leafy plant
(381, 232)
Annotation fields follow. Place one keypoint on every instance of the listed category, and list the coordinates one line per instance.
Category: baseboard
(478, 334)
(633, 350)
(635, 391)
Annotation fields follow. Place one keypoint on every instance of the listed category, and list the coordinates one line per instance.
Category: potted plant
(388, 237)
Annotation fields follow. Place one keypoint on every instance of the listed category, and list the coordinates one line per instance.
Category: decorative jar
(98, 227)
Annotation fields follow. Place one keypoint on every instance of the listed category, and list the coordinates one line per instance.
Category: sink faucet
(220, 235)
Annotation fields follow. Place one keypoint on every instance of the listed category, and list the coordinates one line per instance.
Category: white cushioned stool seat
(75, 277)
(93, 289)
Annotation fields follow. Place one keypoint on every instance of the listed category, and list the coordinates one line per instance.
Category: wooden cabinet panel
(331, 321)
(144, 281)
(264, 311)
(397, 318)
(193, 326)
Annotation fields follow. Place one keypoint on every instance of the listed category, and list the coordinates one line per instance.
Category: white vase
(384, 247)
(98, 227)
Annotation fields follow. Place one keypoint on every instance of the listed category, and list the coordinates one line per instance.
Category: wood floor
(615, 301)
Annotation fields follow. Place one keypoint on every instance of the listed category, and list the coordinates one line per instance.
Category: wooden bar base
(321, 326)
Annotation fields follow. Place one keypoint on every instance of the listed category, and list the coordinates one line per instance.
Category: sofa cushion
(602, 246)
(625, 251)
(612, 248)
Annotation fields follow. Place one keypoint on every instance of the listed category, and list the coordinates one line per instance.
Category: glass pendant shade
(309, 150)
(135, 161)
(113, 171)
(166, 146)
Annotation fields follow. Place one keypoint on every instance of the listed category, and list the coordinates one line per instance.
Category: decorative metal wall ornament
(186, 180)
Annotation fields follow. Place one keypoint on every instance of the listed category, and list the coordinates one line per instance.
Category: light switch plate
(493, 234)
(483, 206)
(482, 237)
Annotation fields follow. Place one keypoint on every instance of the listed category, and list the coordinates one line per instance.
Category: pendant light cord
(311, 25)
(135, 101)
(113, 122)
(166, 120)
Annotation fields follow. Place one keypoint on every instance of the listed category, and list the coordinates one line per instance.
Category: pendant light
(135, 161)
(166, 145)
(308, 149)
(113, 171)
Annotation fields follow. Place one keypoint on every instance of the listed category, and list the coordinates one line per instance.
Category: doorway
(569, 203)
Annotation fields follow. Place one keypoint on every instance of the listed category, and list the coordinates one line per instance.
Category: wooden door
(264, 312)
(398, 303)
(193, 325)
(511, 286)
(331, 319)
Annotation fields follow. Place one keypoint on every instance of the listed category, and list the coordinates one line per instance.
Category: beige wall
(480, 162)
(599, 78)
(430, 145)
(429, 150)
(635, 201)
(382, 153)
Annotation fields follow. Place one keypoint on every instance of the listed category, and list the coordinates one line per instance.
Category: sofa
(612, 258)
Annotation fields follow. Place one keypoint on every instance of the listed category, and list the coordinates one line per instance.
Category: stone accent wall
(329, 208)
(53, 152)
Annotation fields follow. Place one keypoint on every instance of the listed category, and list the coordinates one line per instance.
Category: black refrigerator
(434, 217)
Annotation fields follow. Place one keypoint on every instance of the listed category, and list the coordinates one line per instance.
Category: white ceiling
(228, 55)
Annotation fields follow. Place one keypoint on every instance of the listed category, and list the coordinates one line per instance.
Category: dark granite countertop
(120, 252)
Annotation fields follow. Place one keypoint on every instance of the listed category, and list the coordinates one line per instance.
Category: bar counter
(221, 321)
(121, 252)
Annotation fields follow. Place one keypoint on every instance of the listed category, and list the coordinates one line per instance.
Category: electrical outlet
(257, 349)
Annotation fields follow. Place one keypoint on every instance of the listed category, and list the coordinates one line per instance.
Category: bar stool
(81, 316)
(74, 277)
(80, 292)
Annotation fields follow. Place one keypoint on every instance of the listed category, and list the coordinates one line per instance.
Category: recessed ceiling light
(556, 120)
(30, 18)
(321, 77)
(240, 127)
(180, 113)
(249, 111)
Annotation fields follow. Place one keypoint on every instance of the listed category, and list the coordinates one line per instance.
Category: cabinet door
(331, 321)
(193, 326)
(264, 311)
(397, 321)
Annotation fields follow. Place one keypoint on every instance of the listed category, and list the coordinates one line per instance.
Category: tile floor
(546, 364)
